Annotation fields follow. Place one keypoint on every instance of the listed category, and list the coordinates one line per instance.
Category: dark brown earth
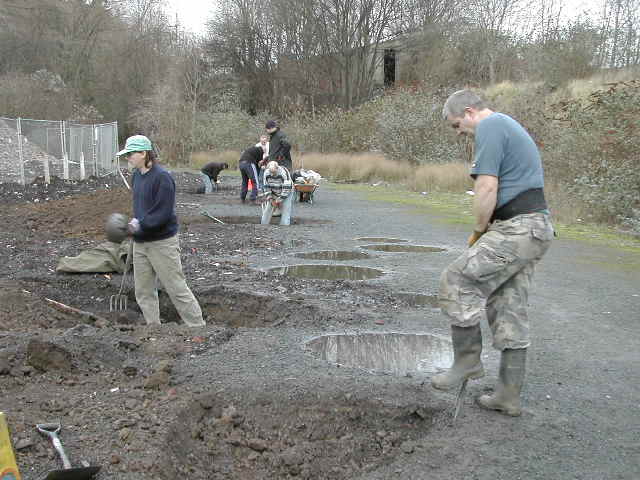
(243, 399)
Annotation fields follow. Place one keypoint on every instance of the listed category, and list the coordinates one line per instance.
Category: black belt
(529, 201)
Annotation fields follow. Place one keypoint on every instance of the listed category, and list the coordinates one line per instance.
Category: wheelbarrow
(305, 191)
(51, 431)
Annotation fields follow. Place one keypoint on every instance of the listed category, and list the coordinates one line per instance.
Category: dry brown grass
(197, 160)
(448, 177)
(582, 88)
(369, 167)
(374, 167)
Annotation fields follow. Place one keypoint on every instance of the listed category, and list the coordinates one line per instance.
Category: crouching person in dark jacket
(278, 193)
(209, 174)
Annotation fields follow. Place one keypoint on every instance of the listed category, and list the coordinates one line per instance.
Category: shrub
(597, 144)
(403, 125)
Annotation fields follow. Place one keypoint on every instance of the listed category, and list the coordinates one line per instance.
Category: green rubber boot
(467, 346)
(506, 397)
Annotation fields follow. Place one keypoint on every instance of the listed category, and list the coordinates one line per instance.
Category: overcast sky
(192, 14)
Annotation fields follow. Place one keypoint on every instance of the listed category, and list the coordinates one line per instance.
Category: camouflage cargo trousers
(493, 278)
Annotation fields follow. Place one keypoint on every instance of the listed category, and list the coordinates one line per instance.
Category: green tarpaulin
(105, 258)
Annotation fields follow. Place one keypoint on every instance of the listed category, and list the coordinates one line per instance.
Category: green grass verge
(455, 208)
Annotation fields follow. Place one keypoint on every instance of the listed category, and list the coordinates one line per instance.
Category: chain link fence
(44, 148)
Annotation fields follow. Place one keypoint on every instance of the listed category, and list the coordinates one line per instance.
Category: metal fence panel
(106, 138)
(80, 149)
(43, 148)
(10, 165)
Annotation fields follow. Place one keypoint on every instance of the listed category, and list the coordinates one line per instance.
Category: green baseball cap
(137, 143)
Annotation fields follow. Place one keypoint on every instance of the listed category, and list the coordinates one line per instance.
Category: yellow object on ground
(8, 467)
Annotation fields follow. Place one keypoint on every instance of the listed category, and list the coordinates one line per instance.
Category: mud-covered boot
(506, 397)
(467, 347)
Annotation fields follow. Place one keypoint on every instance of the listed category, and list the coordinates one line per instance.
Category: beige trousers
(161, 258)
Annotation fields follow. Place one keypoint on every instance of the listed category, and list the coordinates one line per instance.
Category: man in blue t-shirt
(512, 232)
(156, 251)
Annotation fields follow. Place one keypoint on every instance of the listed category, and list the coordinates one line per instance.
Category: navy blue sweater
(154, 204)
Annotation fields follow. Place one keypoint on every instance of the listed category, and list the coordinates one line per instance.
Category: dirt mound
(20, 310)
(312, 437)
(80, 216)
(38, 191)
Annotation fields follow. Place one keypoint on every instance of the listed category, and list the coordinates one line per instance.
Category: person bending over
(278, 193)
(248, 166)
(209, 175)
(512, 232)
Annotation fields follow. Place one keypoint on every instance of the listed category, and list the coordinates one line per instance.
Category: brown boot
(467, 346)
(506, 397)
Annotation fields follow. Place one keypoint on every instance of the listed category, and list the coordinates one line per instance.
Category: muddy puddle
(392, 353)
(403, 248)
(380, 239)
(333, 255)
(329, 272)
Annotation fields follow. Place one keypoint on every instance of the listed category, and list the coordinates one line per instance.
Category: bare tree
(494, 19)
(620, 31)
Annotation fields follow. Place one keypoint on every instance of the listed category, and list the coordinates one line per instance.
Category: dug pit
(392, 353)
(279, 435)
(329, 272)
(333, 255)
(403, 248)
(236, 308)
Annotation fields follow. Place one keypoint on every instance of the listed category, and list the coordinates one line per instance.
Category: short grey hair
(458, 101)
(272, 166)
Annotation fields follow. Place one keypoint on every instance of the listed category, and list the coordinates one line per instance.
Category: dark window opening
(389, 67)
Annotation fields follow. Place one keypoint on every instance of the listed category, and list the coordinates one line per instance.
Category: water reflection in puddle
(328, 272)
(380, 239)
(333, 255)
(402, 248)
(394, 353)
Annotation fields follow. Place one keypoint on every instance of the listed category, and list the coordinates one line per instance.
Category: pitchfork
(118, 303)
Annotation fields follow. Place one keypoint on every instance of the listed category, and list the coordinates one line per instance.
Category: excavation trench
(237, 308)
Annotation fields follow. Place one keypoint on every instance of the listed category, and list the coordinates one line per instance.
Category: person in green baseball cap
(137, 143)
(154, 228)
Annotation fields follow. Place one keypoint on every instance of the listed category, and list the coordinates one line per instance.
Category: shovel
(118, 303)
(51, 430)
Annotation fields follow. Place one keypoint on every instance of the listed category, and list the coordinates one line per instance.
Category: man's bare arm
(484, 201)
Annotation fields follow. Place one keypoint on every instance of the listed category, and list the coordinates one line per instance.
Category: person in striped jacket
(277, 193)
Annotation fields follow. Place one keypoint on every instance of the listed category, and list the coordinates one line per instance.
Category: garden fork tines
(118, 303)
